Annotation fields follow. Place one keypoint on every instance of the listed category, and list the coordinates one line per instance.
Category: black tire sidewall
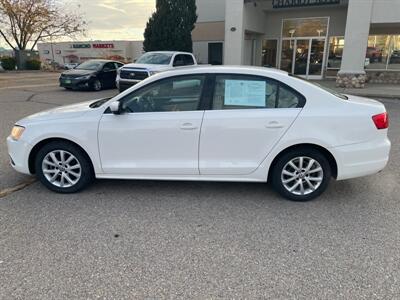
(93, 85)
(285, 158)
(87, 175)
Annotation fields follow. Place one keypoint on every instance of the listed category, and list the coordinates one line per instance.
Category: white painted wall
(234, 40)
(211, 10)
(130, 50)
(385, 11)
(356, 36)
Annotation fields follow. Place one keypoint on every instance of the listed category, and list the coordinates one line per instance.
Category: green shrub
(8, 63)
(33, 64)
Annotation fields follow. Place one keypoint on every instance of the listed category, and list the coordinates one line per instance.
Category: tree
(171, 25)
(26, 22)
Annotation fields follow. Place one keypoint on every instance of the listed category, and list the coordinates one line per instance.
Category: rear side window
(251, 92)
(188, 60)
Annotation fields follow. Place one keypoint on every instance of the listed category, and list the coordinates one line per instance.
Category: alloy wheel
(61, 168)
(302, 175)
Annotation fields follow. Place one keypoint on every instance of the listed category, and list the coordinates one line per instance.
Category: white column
(234, 32)
(352, 73)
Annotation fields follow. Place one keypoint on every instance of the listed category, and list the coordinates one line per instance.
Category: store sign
(301, 3)
(81, 46)
(103, 46)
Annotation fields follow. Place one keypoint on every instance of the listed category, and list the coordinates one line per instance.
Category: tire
(286, 177)
(96, 85)
(53, 174)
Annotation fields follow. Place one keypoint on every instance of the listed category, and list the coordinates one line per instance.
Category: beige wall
(209, 31)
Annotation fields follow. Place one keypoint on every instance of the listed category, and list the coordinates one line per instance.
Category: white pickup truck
(151, 63)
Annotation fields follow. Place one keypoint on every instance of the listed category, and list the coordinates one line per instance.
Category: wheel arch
(39, 145)
(329, 156)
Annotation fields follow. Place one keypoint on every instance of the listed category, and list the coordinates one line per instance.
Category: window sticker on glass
(245, 93)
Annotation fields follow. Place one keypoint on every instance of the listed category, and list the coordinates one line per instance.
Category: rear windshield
(333, 92)
(155, 58)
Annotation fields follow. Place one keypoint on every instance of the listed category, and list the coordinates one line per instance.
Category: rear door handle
(274, 125)
(188, 126)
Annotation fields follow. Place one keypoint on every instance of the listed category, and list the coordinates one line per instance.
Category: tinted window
(109, 66)
(181, 93)
(250, 92)
(90, 65)
(179, 60)
(188, 60)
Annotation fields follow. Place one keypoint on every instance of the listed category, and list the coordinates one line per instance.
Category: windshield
(155, 59)
(90, 65)
(333, 92)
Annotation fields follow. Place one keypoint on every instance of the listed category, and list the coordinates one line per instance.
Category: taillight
(381, 121)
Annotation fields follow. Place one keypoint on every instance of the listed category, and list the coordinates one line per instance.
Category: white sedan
(239, 124)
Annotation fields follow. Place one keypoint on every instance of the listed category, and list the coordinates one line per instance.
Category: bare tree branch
(24, 22)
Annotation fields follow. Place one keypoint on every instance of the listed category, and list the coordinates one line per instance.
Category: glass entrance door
(303, 57)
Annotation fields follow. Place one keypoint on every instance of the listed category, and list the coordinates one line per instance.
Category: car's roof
(226, 69)
(169, 52)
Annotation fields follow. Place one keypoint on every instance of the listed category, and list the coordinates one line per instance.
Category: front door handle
(188, 126)
(274, 125)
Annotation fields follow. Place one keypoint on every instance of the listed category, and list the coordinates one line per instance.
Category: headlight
(153, 73)
(84, 77)
(17, 132)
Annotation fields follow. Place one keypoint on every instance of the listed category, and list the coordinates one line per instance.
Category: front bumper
(361, 159)
(123, 85)
(18, 152)
(75, 83)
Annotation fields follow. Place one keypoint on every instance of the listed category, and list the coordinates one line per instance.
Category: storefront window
(383, 52)
(269, 51)
(336, 45)
(394, 57)
(309, 27)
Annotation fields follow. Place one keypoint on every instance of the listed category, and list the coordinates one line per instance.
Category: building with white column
(350, 40)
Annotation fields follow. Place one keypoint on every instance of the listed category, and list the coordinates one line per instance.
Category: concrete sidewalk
(371, 90)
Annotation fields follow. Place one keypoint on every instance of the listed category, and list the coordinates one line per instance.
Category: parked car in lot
(95, 74)
(70, 66)
(152, 63)
(208, 123)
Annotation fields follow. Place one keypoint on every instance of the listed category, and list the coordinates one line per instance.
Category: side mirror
(115, 107)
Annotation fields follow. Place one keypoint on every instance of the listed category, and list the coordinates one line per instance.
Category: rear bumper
(18, 152)
(361, 159)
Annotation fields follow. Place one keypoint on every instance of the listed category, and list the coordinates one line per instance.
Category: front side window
(181, 93)
(250, 92)
(92, 65)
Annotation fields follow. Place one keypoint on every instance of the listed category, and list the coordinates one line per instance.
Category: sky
(116, 19)
(112, 19)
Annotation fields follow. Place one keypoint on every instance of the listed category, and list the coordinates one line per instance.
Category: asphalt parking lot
(185, 240)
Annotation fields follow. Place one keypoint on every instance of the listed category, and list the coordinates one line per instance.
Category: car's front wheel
(301, 174)
(97, 86)
(63, 167)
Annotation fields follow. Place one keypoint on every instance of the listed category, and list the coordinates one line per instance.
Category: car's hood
(78, 72)
(62, 112)
(148, 67)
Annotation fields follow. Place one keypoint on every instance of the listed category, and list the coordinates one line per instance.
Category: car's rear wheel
(97, 86)
(301, 174)
(63, 167)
